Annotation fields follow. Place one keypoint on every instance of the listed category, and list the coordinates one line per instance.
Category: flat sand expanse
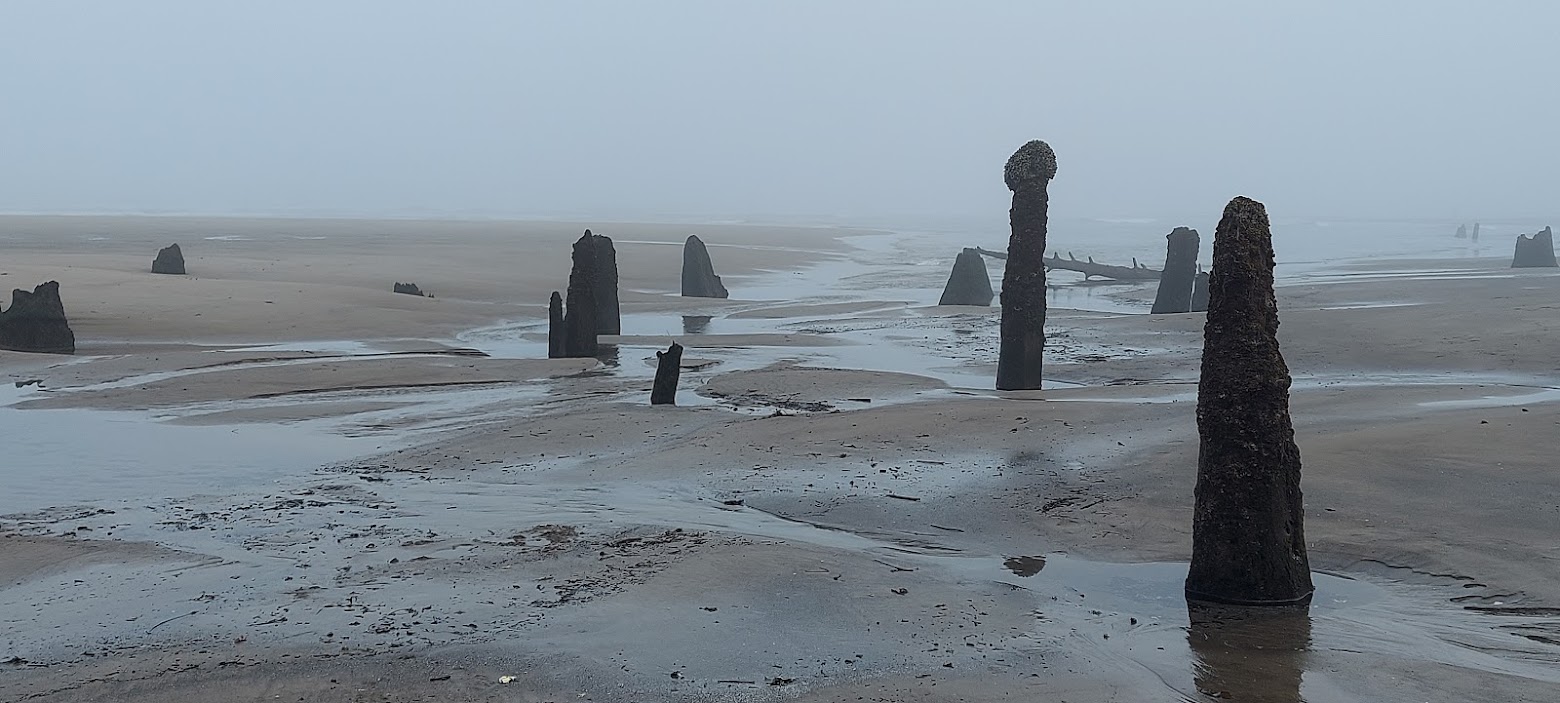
(347, 496)
(268, 281)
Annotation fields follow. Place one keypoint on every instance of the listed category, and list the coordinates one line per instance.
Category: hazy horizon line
(874, 221)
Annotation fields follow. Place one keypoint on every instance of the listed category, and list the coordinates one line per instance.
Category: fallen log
(1090, 269)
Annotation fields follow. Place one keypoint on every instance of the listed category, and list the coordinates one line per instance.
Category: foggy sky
(834, 109)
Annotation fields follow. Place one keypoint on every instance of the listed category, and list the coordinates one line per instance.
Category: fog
(821, 110)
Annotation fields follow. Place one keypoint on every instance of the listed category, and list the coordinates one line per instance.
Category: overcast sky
(830, 109)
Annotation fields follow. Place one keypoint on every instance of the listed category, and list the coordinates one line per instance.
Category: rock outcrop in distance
(969, 284)
(1248, 533)
(36, 322)
(169, 260)
(1535, 250)
(1027, 174)
(1176, 281)
(579, 313)
(698, 274)
(609, 318)
(408, 289)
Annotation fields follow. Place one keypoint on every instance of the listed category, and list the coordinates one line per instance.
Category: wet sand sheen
(544, 523)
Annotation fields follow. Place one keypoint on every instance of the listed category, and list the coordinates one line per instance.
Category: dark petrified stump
(579, 316)
(1175, 282)
(668, 367)
(1248, 537)
(1027, 173)
(1200, 292)
(407, 288)
(698, 274)
(969, 283)
(36, 322)
(555, 345)
(169, 260)
(1249, 654)
(1534, 250)
(608, 318)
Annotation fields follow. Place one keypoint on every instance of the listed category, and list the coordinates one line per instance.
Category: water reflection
(696, 324)
(1248, 654)
(608, 355)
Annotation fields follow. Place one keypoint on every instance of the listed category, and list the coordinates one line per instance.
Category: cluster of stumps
(1248, 542)
(36, 321)
(590, 307)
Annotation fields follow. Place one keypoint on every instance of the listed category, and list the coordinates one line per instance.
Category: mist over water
(809, 111)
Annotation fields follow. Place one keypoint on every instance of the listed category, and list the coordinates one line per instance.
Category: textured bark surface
(1248, 538)
(1200, 292)
(169, 260)
(698, 274)
(668, 367)
(609, 319)
(969, 284)
(579, 314)
(35, 322)
(556, 349)
(1535, 250)
(1019, 362)
(1175, 282)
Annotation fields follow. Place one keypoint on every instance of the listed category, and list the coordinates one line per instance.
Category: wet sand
(409, 508)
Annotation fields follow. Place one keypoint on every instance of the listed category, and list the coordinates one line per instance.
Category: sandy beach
(274, 479)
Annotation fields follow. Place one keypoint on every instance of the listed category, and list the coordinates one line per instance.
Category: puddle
(1542, 394)
(131, 457)
(136, 455)
(1548, 395)
(1369, 306)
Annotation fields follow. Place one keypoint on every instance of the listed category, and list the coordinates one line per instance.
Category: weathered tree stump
(698, 274)
(1027, 174)
(579, 314)
(1248, 536)
(609, 319)
(668, 367)
(36, 322)
(1200, 292)
(1534, 251)
(968, 284)
(170, 260)
(1175, 282)
(556, 348)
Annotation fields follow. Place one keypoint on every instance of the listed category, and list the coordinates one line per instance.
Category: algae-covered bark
(1248, 537)
(1019, 363)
